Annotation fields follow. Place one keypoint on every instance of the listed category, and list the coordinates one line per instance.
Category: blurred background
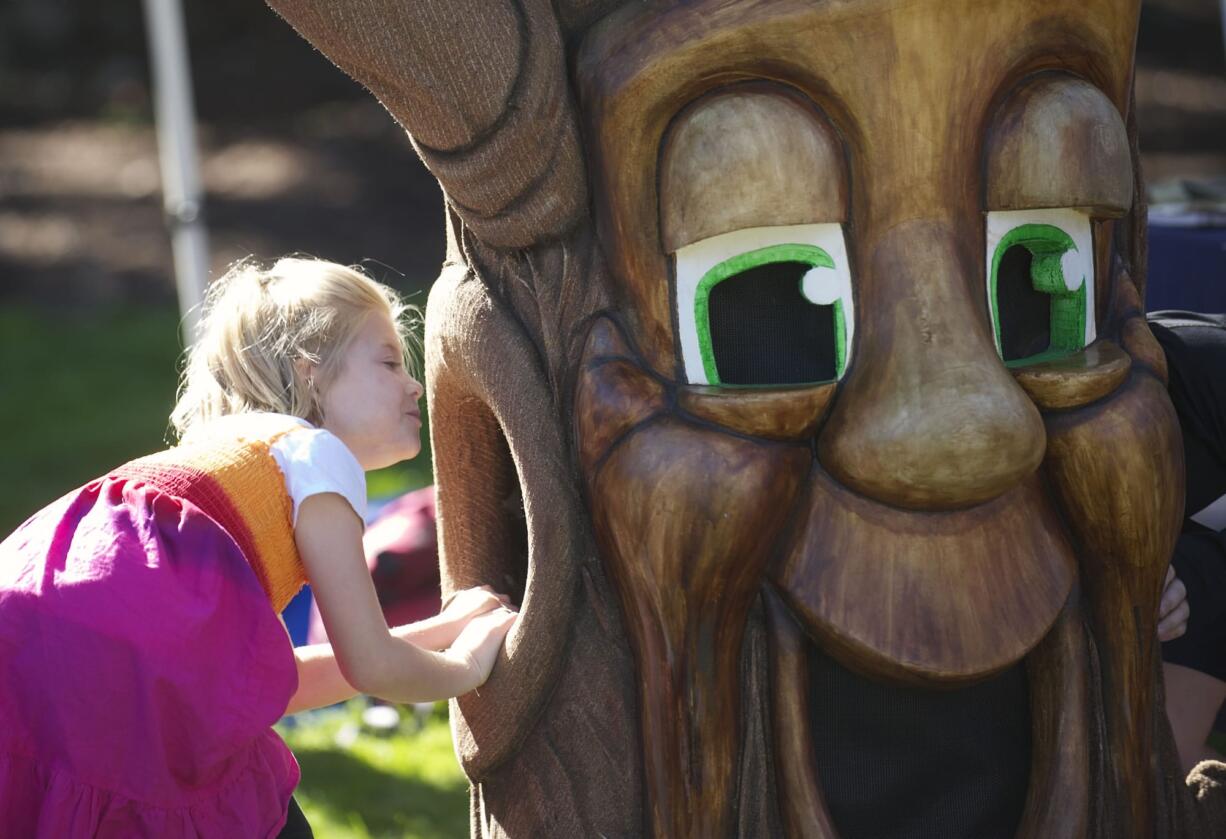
(295, 157)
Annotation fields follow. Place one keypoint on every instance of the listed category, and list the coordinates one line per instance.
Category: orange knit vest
(227, 470)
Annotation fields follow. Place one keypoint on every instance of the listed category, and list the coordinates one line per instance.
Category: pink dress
(141, 667)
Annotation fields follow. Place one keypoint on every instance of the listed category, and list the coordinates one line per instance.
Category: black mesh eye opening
(1023, 312)
(764, 331)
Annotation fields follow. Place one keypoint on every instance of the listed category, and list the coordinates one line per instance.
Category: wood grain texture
(680, 512)
(805, 813)
(785, 413)
(479, 364)
(1125, 511)
(757, 805)
(928, 418)
(1076, 379)
(619, 395)
(924, 598)
(914, 138)
(721, 172)
(1058, 801)
(1136, 338)
(554, 291)
(1058, 141)
(1139, 341)
(579, 773)
(576, 16)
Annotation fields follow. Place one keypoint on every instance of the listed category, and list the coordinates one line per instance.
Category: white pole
(176, 128)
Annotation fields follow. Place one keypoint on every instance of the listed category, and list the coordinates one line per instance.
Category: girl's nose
(929, 417)
(415, 388)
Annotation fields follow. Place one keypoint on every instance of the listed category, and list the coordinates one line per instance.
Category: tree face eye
(1040, 284)
(760, 326)
(765, 307)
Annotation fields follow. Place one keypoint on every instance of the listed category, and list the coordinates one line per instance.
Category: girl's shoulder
(314, 460)
(311, 460)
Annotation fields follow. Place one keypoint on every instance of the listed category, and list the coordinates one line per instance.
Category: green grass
(406, 786)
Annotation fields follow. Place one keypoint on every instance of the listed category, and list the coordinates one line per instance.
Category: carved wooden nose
(929, 418)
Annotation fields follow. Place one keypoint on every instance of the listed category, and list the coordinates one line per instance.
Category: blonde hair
(258, 324)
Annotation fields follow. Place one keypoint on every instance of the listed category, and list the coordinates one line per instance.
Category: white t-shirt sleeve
(314, 460)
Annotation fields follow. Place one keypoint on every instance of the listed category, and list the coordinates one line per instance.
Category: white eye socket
(1040, 277)
(766, 306)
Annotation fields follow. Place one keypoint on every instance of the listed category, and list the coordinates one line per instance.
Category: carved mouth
(923, 597)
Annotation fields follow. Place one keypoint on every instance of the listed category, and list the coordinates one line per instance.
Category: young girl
(142, 661)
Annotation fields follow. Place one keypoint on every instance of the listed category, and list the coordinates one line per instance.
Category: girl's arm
(320, 682)
(367, 656)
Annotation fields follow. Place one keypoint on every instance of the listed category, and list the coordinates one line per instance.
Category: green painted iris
(797, 255)
(1066, 311)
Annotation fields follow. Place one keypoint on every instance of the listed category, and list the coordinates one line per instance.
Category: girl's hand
(466, 604)
(480, 641)
(1173, 611)
(440, 631)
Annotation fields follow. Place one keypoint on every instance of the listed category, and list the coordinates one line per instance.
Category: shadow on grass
(390, 805)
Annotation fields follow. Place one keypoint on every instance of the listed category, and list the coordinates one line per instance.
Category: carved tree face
(869, 343)
(872, 347)
(810, 239)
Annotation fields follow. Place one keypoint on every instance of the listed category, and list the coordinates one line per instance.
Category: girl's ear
(305, 370)
(305, 396)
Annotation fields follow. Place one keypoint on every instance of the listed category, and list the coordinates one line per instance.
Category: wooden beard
(797, 361)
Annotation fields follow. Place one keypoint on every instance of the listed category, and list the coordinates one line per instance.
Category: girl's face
(371, 404)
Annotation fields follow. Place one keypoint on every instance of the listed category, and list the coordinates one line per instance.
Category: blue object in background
(1187, 269)
(297, 616)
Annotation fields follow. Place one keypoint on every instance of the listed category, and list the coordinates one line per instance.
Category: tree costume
(789, 364)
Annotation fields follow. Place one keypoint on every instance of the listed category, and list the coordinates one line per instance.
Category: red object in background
(401, 547)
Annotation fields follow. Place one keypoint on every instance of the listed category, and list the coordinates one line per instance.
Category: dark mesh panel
(764, 331)
(1025, 314)
(946, 764)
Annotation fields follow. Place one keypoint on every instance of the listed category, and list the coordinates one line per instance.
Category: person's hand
(1173, 609)
(440, 631)
(478, 643)
(467, 603)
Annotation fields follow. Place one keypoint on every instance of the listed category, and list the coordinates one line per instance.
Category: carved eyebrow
(721, 172)
(1059, 142)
